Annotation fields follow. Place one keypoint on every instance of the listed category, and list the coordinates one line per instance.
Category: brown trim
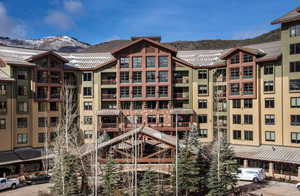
(111, 62)
(247, 50)
(275, 58)
(3, 80)
(20, 65)
(183, 62)
(211, 66)
(38, 56)
(143, 39)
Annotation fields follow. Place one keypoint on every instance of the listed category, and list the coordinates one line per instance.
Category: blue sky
(95, 21)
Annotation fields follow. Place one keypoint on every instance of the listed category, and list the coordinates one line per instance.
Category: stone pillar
(245, 163)
(299, 173)
(271, 169)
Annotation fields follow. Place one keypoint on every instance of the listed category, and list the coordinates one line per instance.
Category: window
(88, 134)
(202, 89)
(53, 135)
(150, 61)
(295, 137)
(87, 76)
(161, 118)
(22, 91)
(202, 74)
(269, 119)
(237, 134)
(124, 62)
(248, 103)
(3, 107)
(41, 137)
(163, 91)
(124, 91)
(248, 88)
(54, 106)
(42, 122)
(125, 105)
(88, 120)
(124, 77)
(151, 104)
(163, 76)
(2, 123)
(137, 77)
(137, 91)
(295, 66)
(202, 118)
(248, 58)
(22, 138)
(163, 61)
(22, 107)
(53, 121)
(202, 103)
(163, 104)
(150, 91)
(295, 102)
(203, 133)
(248, 72)
(295, 120)
(235, 59)
(87, 91)
(269, 86)
(43, 106)
(151, 119)
(139, 119)
(295, 48)
(137, 105)
(236, 103)
(235, 73)
(248, 135)
(268, 69)
(270, 136)
(248, 119)
(87, 105)
(295, 84)
(150, 76)
(295, 30)
(3, 89)
(22, 75)
(236, 119)
(235, 89)
(269, 103)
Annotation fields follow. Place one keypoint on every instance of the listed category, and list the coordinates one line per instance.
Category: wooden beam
(157, 153)
(142, 160)
(123, 153)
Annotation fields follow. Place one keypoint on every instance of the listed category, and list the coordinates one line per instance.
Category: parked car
(8, 183)
(298, 186)
(39, 179)
(251, 174)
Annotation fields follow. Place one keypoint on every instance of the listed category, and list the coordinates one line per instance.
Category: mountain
(273, 35)
(57, 43)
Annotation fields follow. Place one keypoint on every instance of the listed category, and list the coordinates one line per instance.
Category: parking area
(26, 190)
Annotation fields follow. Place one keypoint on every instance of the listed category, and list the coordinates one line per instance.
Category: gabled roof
(38, 56)
(291, 16)
(147, 40)
(252, 51)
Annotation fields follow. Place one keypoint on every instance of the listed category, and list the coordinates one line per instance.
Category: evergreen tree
(110, 179)
(147, 184)
(222, 180)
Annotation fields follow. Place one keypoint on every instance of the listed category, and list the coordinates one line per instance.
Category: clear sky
(95, 21)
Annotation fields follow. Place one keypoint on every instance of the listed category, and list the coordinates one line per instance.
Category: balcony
(109, 125)
(182, 124)
(181, 95)
(108, 81)
(55, 96)
(181, 80)
(108, 96)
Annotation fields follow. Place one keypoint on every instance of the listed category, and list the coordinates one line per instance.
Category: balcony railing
(55, 96)
(42, 96)
(109, 125)
(108, 82)
(181, 95)
(182, 124)
(108, 96)
(181, 80)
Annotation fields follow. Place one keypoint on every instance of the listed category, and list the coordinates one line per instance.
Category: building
(250, 94)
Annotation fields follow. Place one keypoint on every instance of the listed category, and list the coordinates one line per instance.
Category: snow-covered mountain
(58, 43)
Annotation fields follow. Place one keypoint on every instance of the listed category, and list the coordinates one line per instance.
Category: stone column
(271, 169)
(245, 163)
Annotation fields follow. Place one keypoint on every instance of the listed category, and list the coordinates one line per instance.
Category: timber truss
(143, 145)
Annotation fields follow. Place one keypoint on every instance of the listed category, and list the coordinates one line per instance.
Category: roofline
(224, 56)
(183, 62)
(274, 58)
(51, 52)
(280, 21)
(143, 39)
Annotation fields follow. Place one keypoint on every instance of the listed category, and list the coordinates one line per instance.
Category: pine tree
(110, 179)
(223, 180)
(147, 184)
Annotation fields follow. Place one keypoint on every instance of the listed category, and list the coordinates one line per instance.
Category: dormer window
(248, 58)
(235, 59)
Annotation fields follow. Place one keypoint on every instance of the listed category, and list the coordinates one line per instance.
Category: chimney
(154, 38)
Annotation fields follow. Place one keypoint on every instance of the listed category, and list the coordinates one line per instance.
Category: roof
(195, 58)
(40, 55)
(291, 16)
(268, 153)
(168, 139)
(252, 51)
(5, 77)
(20, 155)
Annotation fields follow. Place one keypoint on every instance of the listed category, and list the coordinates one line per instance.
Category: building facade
(250, 94)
